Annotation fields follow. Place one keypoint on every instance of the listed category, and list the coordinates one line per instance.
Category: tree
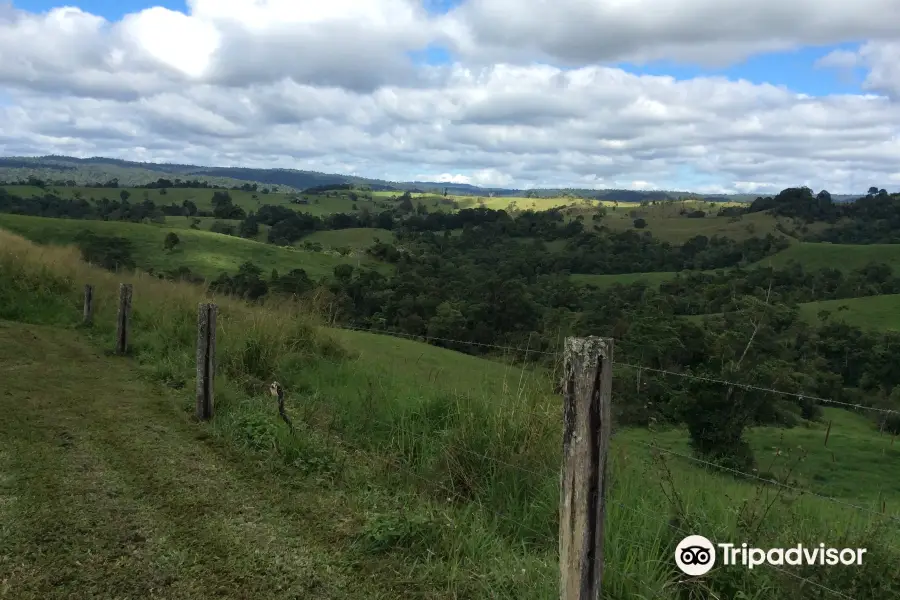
(640, 223)
(171, 241)
(124, 195)
(249, 227)
(343, 273)
(190, 209)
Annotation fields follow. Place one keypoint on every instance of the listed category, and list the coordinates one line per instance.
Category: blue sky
(64, 99)
(111, 9)
(794, 69)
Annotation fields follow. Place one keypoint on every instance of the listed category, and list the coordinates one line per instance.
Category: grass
(665, 223)
(108, 491)
(872, 312)
(845, 257)
(203, 252)
(424, 472)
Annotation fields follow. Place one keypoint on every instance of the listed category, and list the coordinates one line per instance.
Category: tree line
(870, 219)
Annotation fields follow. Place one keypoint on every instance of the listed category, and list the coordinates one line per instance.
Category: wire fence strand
(757, 388)
(681, 374)
(769, 481)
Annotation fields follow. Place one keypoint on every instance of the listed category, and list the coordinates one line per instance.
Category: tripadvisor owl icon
(695, 555)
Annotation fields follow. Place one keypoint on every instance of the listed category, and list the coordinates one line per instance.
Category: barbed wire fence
(585, 367)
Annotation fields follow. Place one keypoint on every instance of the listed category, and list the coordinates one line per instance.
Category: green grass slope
(874, 312)
(836, 256)
(440, 470)
(203, 252)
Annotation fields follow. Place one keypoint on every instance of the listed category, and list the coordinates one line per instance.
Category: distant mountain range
(129, 173)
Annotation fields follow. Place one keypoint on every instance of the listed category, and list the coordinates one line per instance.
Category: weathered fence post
(206, 360)
(587, 389)
(123, 319)
(88, 317)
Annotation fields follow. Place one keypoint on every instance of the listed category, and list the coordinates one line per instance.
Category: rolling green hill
(440, 471)
(836, 256)
(203, 252)
(874, 312)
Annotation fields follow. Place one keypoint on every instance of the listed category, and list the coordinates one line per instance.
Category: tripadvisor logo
(695, 555)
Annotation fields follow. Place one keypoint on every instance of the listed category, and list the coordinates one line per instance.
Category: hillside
(875, 312)
(845, 257)
(203, 252)
(439, 470)
(129, 173)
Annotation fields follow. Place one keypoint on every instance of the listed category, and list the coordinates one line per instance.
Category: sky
(713, 96)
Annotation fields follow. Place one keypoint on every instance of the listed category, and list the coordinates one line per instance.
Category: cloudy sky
(709, 95)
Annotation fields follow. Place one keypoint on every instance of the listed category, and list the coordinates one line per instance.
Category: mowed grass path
(202, 252)
(107, 490)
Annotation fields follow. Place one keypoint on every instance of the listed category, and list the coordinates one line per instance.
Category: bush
(171, 241)
(110, 252)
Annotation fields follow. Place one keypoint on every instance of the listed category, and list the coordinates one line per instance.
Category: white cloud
(712, 32)
(327, 86)
(880, 58)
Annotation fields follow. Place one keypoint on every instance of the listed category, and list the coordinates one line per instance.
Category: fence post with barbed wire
(587, 391)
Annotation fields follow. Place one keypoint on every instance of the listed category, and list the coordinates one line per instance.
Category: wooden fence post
(587, 389)
(123, 319)
(88, 317)
(206, 360)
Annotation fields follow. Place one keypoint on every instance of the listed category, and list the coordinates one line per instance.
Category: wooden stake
(88, 315)
(587, 386)
(827, 433)
(206, 360)
(123, 318)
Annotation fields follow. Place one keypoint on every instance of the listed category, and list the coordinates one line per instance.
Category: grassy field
(665, 223)
(203, 252)
(846, 257)
(874, 312)
(423, 472)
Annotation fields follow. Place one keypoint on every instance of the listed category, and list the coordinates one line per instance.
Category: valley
(418, 339)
